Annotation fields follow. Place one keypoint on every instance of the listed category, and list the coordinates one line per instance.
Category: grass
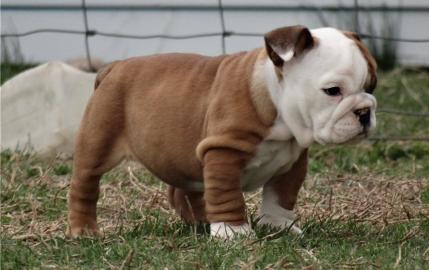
(363, 206)
(9, 70)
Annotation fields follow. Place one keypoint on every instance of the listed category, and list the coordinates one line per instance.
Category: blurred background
(362, 206)
(36, 31)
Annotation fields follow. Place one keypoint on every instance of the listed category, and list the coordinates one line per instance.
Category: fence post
(87, 35)
(222, 24)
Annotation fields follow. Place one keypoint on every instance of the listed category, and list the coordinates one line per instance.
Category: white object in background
(42, 107)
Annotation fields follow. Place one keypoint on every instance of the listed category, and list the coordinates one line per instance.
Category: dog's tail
(103, 73)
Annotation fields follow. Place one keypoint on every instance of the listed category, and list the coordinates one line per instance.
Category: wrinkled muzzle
(351, 121)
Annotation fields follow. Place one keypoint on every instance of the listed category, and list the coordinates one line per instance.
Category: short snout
(364, 115)
(353, 117)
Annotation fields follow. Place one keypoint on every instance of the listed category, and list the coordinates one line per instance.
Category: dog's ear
(284, 43)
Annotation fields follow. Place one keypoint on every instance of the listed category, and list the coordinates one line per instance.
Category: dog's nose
(364, 115)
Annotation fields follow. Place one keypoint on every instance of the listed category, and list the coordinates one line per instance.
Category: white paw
(280, 222)
(226, 231)
(274, 215)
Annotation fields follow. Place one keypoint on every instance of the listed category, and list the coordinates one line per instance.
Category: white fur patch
(287, 56)
(305, 112)
(226, 231)
(272, 158)
(274, 215)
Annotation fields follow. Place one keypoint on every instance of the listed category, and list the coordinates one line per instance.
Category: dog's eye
(332, 91)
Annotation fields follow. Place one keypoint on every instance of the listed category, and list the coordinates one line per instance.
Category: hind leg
(188, 204)
(98, 149)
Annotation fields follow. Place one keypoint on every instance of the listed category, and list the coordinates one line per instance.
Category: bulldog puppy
(214, 127)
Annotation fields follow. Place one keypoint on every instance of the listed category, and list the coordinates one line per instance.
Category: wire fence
(223, 34)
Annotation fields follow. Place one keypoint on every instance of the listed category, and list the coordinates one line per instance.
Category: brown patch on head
(371, 82)
(297, 38)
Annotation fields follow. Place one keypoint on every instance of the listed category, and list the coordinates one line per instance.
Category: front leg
(280, 194)
(225, 205)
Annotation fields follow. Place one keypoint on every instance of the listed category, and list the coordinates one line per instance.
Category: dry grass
(345, 217)
(373, 199)
(379, 200)
(362, 207)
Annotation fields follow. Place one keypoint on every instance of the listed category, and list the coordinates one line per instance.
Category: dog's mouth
(354, 139)
(359, 137)
(341, 137)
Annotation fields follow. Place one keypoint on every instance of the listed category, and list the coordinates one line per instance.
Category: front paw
(228, 231)
(83, 226)
(75, 232)
(280, 222)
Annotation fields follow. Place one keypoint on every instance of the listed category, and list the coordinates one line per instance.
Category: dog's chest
(272, 158)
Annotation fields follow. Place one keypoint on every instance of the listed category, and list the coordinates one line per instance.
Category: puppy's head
(325, 79)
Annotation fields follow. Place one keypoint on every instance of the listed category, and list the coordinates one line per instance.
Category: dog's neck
(288, 123)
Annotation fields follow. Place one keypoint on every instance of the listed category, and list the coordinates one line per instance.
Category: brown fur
(188, 204)
(187, 118)
(280, 40)
(259, 94)
(287, 185)
(102, 73)
(162, 110)
(372, 65)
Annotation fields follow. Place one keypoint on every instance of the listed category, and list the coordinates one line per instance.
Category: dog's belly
(272, 158)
